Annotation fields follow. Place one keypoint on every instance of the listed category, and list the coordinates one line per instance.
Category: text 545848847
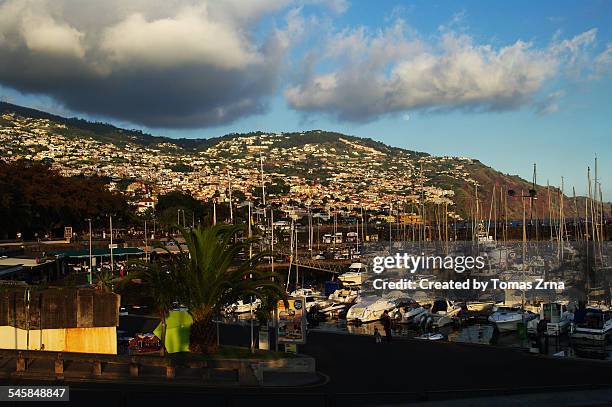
(34, 393)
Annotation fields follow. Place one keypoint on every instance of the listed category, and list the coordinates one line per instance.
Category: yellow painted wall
(86, 340)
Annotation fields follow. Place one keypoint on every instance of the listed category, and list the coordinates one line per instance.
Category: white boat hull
(352, 279)
(364, 313)
(594, 335)
(413, 317)
(478, 306)
(507, 326)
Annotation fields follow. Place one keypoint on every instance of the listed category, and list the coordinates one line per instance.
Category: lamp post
(110, 246)
(146, 242)
(90, 254)
(250, 276)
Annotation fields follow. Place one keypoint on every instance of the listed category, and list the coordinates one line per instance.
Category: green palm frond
(213, 275)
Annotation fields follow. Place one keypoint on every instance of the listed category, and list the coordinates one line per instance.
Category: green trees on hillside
(34, 199)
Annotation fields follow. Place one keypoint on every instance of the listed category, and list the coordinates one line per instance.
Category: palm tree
(160, 282)
(213, 275)
(106, 280)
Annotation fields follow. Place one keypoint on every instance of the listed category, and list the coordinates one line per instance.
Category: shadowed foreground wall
(60, 319)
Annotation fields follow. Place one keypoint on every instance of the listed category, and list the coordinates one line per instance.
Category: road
(361, 372)
(420, 369)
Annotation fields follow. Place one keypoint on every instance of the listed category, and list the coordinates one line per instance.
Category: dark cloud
(185, 66)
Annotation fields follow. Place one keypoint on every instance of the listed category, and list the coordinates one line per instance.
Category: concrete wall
(87, 340)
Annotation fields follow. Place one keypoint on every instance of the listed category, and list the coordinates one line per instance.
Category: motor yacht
(313, 299)
(479, 306)
(592, 324)
(344, 296)
(411, 313)
(558, 319)
(242, 306)
(443, 312)
(356, 275)
(370, 308)
(507, 318)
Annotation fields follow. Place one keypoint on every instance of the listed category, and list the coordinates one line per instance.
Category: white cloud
(602, 63)
(550, 104)
(39, 31)
(335, 6)
(45, 35)
(377, 73)
(189, 37)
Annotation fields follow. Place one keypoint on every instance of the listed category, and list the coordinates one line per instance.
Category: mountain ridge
(110, 133)
(339, 168)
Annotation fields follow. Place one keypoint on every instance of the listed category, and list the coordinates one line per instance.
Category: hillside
(314, 168)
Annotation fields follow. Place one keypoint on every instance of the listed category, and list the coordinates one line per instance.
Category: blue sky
(558, 114)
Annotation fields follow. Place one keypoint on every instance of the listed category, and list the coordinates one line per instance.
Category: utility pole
(250, 233)
(310, 232)
(272, 238)
(90, 254)
(263, 185)
(146, 242)
(275, 319)
(110, 246)
(252, 299)
(229, 187)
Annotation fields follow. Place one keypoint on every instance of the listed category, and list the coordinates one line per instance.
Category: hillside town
(344, 173)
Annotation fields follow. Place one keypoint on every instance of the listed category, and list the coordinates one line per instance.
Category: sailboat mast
(476, 215)
(577, 227)
(290, 256)
(595, 205)
(491, 210)
(229, 187)
(263, 185)
(586, 236)
(549, 210)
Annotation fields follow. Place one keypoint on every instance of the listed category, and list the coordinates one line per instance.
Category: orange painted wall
(86, 340)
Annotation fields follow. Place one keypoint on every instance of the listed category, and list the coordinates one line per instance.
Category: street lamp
(146, 242)
(111, 246)
(90, 254)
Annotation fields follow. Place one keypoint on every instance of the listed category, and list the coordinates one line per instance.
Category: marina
(306, 203)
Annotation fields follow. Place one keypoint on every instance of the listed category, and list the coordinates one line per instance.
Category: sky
(508, 83)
